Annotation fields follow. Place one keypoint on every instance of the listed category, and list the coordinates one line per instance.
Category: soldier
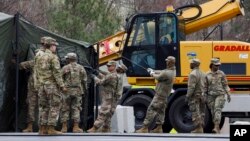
(75, 79)
(32, 95)
(48, 75)
(194, 95)
(109, 85)
(66, 58)
(163, 88)
(121, 69)
(215, 88)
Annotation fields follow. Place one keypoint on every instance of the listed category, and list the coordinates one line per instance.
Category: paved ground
(112, 137)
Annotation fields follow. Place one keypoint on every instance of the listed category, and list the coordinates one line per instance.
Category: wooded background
(93, 20)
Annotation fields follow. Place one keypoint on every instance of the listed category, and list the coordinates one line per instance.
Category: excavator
(150, 37)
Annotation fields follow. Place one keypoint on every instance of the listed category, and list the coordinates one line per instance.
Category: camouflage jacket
(110, 82)
(216, 83)
(74, 75)
(48, 70)
(195, 82)
(29, 65)
(165, 81)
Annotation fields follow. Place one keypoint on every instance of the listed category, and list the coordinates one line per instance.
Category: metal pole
(17, 71)
(97, 87)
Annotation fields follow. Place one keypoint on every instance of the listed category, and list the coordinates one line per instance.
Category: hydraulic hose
(179, 12)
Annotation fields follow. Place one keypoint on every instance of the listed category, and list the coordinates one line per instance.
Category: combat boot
(94, 129)
(52, 131)
(29, 128)
(43, 130)
(105, 129)
(158, 129)
(144, 129)
(64, 127)
(198, 129)
(216, 128)
(76, 128)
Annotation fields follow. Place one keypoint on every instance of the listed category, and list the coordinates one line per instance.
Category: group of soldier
(209, 88)
(58, 91)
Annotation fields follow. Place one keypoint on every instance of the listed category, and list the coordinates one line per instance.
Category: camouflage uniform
(48, 75)
(158, 105)
(195, 97)
(216, 86)
(32, 96)
(75, 78)
(109, 86)
(118, 93)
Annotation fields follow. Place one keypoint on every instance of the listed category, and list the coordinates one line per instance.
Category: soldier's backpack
(75, 76)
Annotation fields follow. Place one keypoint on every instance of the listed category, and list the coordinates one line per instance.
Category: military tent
(19, 38)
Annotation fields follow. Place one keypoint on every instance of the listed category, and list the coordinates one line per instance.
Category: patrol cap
(195, 61)
(71, 55)
(66, 57)
(110, 63)
(43, 39)
(51, 41)
(170, 58)
(123, 67)
(215, 61)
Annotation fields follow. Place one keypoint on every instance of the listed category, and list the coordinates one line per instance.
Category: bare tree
(33, 10)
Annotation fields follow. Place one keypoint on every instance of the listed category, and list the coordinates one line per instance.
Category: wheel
(140, 103)
(181, 117)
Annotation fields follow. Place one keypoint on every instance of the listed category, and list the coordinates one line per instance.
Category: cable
(179, 12)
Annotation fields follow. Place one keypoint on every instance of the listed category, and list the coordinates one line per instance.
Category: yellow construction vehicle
(150, 37)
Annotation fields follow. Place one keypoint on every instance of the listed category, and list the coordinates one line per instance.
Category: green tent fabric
(18, 41)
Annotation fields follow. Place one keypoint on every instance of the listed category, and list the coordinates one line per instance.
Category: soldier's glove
(152, 73)
(22, 66)
(228, 98)
(149, 70)
(97, 80)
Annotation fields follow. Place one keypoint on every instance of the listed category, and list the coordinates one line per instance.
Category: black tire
(181, 117)
(140, 103)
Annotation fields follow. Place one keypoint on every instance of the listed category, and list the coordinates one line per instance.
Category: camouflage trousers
(156, 110)
(215, 105)
(50, 100)
(197, 107)
(106, 112)
(72, 103)
(32, 102)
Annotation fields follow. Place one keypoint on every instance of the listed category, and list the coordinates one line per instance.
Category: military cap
(123, 67)
(215, 61)
(43, 39)
(71, 55)
(170, 58)
(111, 63)
(195, 61)
(51, 41)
